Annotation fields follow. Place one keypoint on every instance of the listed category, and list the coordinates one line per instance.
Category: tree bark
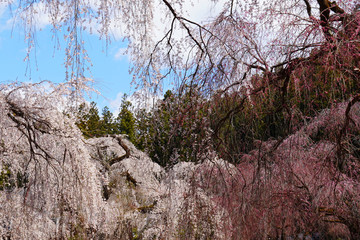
(325, 7)
(123, 145)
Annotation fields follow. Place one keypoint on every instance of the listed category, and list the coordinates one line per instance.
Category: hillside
(55, 184)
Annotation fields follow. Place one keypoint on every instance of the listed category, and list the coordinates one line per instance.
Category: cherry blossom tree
(46, 193)
(281, 41)
(295, 59)
(246, 37)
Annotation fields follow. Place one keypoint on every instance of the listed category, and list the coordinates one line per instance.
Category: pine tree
(88, 120)
(142, 129)
(126, 120)
(81, 117)
(107, 122)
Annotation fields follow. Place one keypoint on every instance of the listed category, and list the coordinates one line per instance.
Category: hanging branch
(124, 146)
(348, 119)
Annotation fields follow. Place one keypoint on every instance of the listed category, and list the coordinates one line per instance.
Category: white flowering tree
(263, 53)
(244, 38)
(48, 184)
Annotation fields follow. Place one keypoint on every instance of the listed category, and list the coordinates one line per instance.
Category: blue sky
(110, 69)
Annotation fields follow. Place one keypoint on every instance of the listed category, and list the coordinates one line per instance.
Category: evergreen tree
(167, 134)
(142, 129)
(93, 123)
(81, 117)
(107, 122)
(126, 120)
(88, 120)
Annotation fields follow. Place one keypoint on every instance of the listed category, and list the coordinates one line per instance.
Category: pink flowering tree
(287, 70)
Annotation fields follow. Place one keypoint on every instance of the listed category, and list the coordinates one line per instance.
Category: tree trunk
(325, 7)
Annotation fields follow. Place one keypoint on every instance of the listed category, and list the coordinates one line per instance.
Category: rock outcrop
(147, 202)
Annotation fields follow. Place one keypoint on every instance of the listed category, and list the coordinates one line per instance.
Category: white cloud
(121, 54)
(4, 4)
(141, 99)
(37, 16)
(116, 103)
(42, 17)
(3, 7)
(199, 11)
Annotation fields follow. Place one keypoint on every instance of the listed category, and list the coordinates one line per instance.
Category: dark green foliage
(126, 121)
(159, 144)
(93, 121)
(281, 102)
(8, 180)
(183, 126)
(142, 129)
(107, 123)
(21, 179)
(238, 122)
(88, 120)
(153, 133)
(92, 125)
(175, 130)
